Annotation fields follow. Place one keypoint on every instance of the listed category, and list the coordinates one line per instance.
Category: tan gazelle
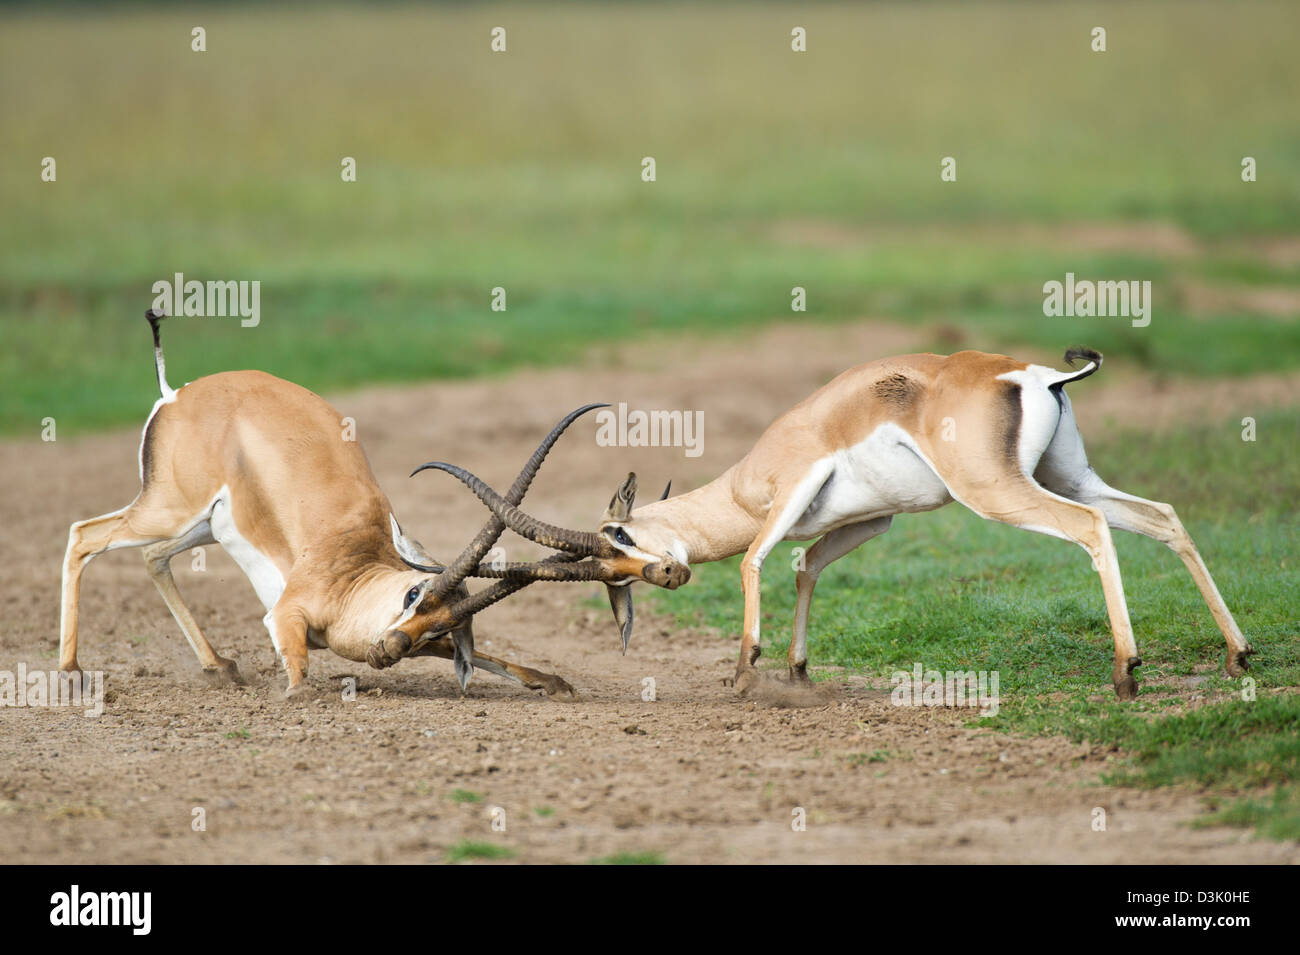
(896, 436)
(260, 466)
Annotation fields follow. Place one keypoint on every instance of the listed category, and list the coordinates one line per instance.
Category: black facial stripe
(1011, 423)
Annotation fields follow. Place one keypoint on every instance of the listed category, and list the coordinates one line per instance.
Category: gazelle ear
(408, 549)
(620, 601)
(462, 641)
(620, 506)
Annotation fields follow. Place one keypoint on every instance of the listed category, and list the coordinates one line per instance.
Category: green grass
(1275, 817)
(522, 170)
(464, 796)
(1231, 747)
(467, 849)
(631, 858)
(958, 593)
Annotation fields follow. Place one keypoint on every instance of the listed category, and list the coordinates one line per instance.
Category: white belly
(882, 475)
(257, 567)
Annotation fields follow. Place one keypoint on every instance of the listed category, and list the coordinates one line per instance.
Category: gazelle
(259, 465)
(895, 436)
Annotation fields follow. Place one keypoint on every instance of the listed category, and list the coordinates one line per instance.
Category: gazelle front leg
(821, 555)
(288, 628)
(781, 518)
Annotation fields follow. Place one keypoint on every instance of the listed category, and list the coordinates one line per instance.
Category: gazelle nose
(675, 573)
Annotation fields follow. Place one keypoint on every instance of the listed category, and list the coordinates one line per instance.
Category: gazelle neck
(707, 521)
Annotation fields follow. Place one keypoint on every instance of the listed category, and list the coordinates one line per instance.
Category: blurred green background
(522, 170)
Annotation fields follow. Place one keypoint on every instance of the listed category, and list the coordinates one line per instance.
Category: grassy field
(774, 170)
(522, 170)
(1030, 607)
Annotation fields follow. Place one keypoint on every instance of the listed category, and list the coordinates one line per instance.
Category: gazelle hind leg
(1159, 521)
(86, 540)
(825, 552)
(1064, 469)
(1018, 501)
(553, 685)
(157, 559)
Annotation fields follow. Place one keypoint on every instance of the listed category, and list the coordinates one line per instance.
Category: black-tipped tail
(160, 367)
(1076, 352)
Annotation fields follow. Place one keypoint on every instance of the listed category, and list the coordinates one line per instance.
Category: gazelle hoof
(1126, 687)
(300, 691)
(558, 688)
(1237, 663)
(746, 680)
(226, 674)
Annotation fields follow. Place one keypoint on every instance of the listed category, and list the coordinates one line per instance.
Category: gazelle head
(421, 611)
(656, 559)
(638, 550)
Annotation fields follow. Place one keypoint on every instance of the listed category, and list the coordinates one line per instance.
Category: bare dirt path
(697, 775)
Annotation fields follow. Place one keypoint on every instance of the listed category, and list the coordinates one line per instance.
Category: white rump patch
(168, 397)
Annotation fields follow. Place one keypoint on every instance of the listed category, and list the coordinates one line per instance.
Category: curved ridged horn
(577, 571)
(451, 576)
(582, 543)
(463, 609)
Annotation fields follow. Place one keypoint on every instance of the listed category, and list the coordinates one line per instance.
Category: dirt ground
(697, 775)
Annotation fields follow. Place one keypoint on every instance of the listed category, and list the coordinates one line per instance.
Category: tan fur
(748, 508)
(300, 494)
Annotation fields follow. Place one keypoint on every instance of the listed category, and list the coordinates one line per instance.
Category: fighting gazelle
(261, 466)
(894, 436)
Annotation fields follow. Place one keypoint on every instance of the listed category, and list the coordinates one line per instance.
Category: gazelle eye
(620, 537)
(412, 596)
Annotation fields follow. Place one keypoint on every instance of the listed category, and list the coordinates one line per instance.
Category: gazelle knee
(76, 552)
(157, 561)
(1177, 537)
(1096, 539)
